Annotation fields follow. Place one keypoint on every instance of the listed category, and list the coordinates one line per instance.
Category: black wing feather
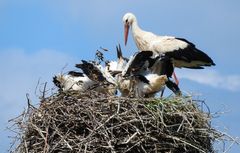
(189, 54)
(142, 78)
(75, 74)
(57, 82)
(166, 66)
(139, 60)
(91, 71)
(119, 51)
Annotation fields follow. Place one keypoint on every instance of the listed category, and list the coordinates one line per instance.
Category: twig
(93, 122)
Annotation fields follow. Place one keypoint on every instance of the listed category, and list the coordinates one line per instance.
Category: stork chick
(146, 63)
(105, 83)
(150, 84)
(73, 81)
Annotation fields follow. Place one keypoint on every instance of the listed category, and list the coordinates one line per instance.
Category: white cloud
(212, 78)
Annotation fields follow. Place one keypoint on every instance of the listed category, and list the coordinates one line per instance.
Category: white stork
(142, 83)
(115, 68)
(73, 81)
(148, 69)
(105, 83)
(182, 52)
(149, 84)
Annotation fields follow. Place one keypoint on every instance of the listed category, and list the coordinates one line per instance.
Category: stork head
(128, 19)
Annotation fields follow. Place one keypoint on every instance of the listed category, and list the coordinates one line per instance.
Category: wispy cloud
(21, 70)
(212, 78)
(20, 73)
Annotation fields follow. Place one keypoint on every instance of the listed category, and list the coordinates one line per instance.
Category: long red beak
(126, 29)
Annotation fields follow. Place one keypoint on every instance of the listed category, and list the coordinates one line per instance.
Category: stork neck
(135, 27)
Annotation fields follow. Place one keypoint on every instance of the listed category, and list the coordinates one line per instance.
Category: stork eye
(126, 20)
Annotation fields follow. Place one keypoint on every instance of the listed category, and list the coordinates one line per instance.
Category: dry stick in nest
(92, 122)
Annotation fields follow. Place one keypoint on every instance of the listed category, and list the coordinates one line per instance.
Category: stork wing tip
(75, 74)
(119, 51)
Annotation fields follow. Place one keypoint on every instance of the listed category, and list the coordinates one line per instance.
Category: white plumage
(140, 79)
(149, 41)
(117, 66)
(156, 84)
(182, 52)
(69, 82)
(103, 79)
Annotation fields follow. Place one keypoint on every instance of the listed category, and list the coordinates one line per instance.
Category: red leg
(175, 78)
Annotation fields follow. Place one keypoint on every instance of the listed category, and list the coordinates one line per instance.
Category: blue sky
(38, 38)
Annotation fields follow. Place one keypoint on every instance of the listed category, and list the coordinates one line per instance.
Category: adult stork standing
(182, 52)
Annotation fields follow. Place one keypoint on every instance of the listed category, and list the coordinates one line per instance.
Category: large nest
(92, 122)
